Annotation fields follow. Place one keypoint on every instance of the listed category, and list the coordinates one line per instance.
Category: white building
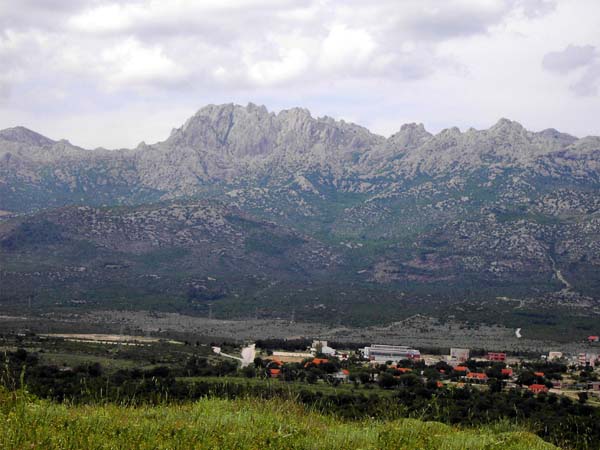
(587, 358)
(552, 356)
(322, 347)
(459, 355)
(395, 353)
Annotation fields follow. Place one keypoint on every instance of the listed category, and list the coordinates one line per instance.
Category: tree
(386, 381)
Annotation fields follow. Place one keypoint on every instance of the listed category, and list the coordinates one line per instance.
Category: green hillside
(230, 424)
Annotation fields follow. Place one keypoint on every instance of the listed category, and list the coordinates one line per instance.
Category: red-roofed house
(342, 374)
(461, 369)
(274, 373)
(593, 338)
(316, 362)
(477, 376)
(507, 372)
(538, 388)
(538, 374)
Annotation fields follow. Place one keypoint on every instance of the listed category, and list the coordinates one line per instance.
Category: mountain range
(245, 211)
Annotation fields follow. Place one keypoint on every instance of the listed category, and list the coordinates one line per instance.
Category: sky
(113, 73)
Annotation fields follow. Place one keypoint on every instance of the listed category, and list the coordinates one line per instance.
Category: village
(459, 386)
(575, 376)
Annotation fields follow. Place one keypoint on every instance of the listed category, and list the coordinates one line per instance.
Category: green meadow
(27, 423)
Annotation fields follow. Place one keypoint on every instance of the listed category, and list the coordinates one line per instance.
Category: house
(322, 348)
(593, 339)
(464, 369)
(342, 375)
(459, 355)
(538, 388)
(274, 373)
(477, 377)
(585, 359)
(594, 386)
(538, 374)
(495, 356)
(552, 356)
(316, 362)
(508, 372)
(291, 356)
(403, 369)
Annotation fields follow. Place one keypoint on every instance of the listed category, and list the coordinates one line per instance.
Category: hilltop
(240, 424)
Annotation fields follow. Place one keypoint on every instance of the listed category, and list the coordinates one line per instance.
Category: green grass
(293, 387)
(230, 424)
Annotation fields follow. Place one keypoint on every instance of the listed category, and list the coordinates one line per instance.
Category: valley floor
(419, 331)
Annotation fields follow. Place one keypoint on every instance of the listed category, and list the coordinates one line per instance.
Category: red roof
(403, 369)
(507, 371)
(345, 371)
(538, 388)
(439, 384)
(461, 369)
(477, 375)
(538, 374)
(274, 372)
(316, 361)
(594, 338)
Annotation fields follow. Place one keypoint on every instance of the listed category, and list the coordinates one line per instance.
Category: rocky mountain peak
(410, 136)
(22, 135)
(554, 135)
(507, 126)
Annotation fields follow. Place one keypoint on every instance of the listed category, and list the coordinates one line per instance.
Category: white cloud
(583, 61)
(105, 18)
(130, 63)
(571, 58)
(291, 64)
(464, 62)
(345, 48)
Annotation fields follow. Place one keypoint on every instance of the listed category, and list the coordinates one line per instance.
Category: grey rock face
(503, 211)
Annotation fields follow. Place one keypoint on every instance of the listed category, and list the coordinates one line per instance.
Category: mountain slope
(456, 216)
(182, 254)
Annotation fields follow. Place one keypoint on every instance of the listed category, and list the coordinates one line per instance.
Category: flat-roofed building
(496, 356)
(459, 355)
(585, 359)
(395, 353)
(554, 356)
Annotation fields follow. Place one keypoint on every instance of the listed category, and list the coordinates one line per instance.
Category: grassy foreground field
(229, 424)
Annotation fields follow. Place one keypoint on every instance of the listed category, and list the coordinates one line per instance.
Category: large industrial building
(395, 353)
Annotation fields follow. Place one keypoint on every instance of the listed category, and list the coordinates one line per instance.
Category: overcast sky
(114, 73)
